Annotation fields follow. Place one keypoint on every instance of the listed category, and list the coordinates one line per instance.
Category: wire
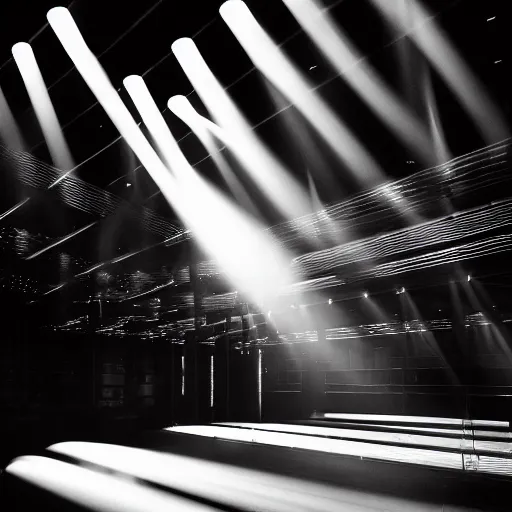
(121, 37)
(31, 40)
(292, 36)
(353, 214)
(227, 88)
(286, 107)
(151, 68)
(154, 66)
(69, 71)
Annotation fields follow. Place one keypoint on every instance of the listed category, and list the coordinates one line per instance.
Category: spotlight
(128, 184)
(401, 290)
(269, 314)
(469, 278)
(42, 104)
(365, 295)
(330, 301)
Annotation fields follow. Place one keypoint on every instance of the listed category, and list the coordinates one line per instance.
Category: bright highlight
(43, 107)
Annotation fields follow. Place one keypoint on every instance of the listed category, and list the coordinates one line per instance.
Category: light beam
(277, 68)
(264, 168)
(361, 76)
(420, 26)
(43, 107)
(204, 129)
(209, 214)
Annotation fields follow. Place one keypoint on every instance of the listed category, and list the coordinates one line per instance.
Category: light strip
(183, 375)
(14, 208)
(260, 382)
(62, 240)
(384, 418)
(471, 171)
(336, 446)
(448, 228)
(423, 441)
(212, 380)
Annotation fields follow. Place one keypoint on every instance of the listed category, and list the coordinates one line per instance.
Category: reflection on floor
(327, 463)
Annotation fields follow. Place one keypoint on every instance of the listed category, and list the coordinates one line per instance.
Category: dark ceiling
(135, 38)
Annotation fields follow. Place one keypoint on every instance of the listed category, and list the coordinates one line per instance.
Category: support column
(404, 317)
(222, 379)
(313, 379)
(458, 357)
(260, 368)
(189, 379)
(244, 396)
(191, 349)
(203, 369)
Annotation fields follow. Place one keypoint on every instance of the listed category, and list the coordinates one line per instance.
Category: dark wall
(425, 373)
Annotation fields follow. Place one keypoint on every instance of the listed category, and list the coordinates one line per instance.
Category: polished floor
(376, 465)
